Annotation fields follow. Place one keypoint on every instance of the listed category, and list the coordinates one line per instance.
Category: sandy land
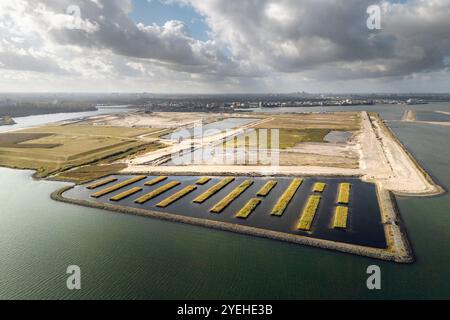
(245, 170)
(374, 154)
(153, 120)
(386, 162)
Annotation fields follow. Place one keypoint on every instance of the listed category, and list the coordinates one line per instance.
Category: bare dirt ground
(153, 120)
(374, 154)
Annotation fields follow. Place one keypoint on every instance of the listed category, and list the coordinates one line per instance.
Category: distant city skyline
(219, 46)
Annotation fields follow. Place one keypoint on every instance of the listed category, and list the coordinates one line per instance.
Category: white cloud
(259, 45)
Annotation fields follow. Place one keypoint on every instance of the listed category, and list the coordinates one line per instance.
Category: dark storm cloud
(317, 36)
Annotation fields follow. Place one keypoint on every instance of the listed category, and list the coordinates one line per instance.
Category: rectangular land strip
(177, 196)
(157, 192)
(233, 195)
(118, 186)
(248, 209)
(344, 193)
(309, 213)
(319, 187)
(101, 183)
(203, 181)
(267, 188)
(212, 191)
(156, 181)
(126, 194)
(287, 197)
(340, 218)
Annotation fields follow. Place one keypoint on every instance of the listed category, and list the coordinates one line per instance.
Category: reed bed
(126, 194)
(203, 181)
(344, 193)
(118, 186)
(233, 195)
(215, 189)
(248, 209)
(267, 188)
(156, 181)
(101, 183)
(157, 192)
(177, 196)
(340, 217)
(287, 197)
(319, 187)
(309, 213)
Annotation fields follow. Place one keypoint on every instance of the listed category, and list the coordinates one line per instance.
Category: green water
(137, 258)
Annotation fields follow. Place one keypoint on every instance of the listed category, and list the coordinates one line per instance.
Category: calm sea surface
(131, 257)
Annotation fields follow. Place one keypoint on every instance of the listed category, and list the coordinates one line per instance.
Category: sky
(224, 46)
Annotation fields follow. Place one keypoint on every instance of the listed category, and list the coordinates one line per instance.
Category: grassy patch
(54, 149)
(287, 197)
(340, 218)
(101, 183)
(126, 194)
(267, 188)
(90, 173)
(309, 213)
(118, 186)
(157, 192)
(248, 209)
(336, 121)
(233, 195)
(203, 181)
(288, 138)
(156, 181)
(212, 191)
(319, 187)
(177, 196)
(344, 193)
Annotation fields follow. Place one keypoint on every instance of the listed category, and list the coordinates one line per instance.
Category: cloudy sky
(215, 46)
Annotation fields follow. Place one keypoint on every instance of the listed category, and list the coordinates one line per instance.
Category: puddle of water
(209, 129)
(364, 225)
(338, 137)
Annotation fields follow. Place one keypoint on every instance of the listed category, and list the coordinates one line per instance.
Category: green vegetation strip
(309, 213)
(155, 181)
(344, 193)
(118, 186)
(247, 210)
(101, 183)
(287, 197)
(268, 187)
(212, 191)
(340, 218)
(233, 195)
(319, 187)
(126, 194)
(157, 192)
(203, 181)
(177, 196)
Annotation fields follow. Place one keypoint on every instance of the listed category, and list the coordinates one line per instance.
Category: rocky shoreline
(398, 250)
